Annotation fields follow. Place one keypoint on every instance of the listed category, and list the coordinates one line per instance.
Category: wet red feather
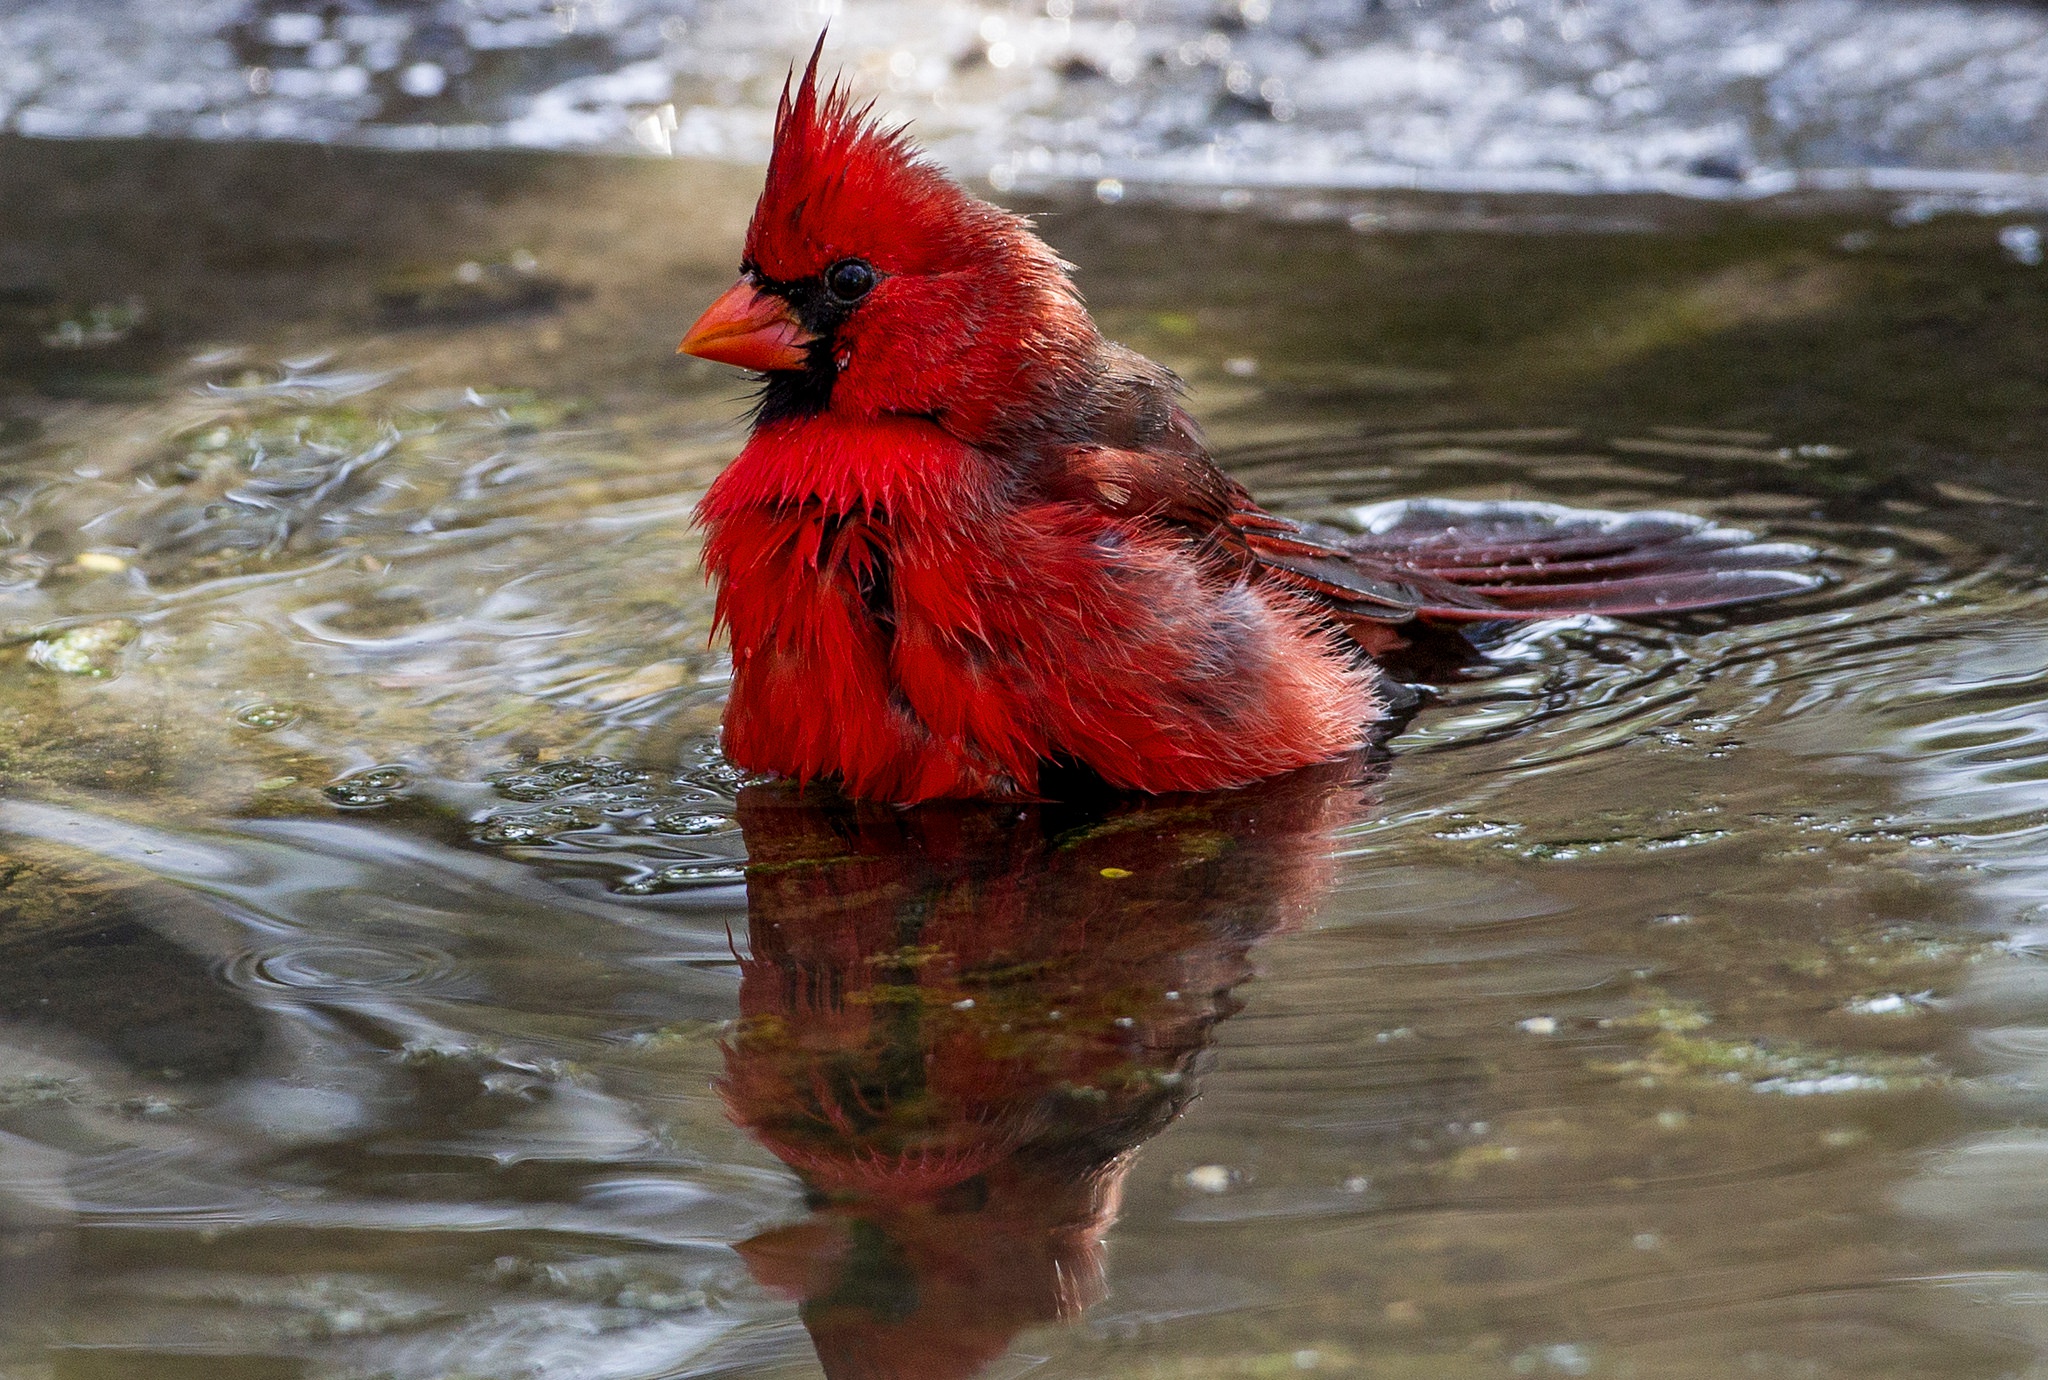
(986, 540)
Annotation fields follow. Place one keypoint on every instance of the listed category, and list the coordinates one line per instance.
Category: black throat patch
(805, 392)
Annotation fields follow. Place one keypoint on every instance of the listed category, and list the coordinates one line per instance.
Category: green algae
(1676, 1060)
(88, 649)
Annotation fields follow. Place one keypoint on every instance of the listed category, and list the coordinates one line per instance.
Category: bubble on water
(370, 788)
(542, 825)
(691, 822)
(1209, 1178)
(709, 769)
(573, 774)
(266, 717)
(685, 877)
(1109, 191)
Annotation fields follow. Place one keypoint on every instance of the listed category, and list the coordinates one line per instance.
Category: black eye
(850, 280)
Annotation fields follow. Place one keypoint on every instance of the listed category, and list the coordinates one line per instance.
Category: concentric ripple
(316, 965)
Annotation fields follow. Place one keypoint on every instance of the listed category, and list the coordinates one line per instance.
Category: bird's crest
(840, 182)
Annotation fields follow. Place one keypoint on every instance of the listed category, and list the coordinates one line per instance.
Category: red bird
(969, 539)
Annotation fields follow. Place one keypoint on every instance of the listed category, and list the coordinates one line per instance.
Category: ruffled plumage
(979, 540)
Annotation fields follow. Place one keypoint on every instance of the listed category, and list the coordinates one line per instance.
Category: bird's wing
(1439, 560)
(1184, 489)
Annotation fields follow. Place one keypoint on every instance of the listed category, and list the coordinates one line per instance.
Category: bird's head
(871, 284)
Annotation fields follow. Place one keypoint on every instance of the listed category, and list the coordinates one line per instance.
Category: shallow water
(398, 984)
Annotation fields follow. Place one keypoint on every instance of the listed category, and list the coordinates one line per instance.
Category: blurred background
(1705, 97)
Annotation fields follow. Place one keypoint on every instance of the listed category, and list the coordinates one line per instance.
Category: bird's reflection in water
(959, 1023)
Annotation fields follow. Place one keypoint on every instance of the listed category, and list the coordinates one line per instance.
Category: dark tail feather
(1538, 560)
(1453, 562)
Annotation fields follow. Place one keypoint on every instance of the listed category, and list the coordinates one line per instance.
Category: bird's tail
(1451, 561)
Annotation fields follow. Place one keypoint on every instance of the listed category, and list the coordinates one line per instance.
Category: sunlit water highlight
(1712, 98)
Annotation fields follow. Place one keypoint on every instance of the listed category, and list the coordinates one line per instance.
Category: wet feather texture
(969, 537)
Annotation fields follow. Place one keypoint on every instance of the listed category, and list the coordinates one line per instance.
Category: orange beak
(749, 328)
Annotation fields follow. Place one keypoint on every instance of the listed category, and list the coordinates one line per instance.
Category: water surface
(1708, 98)
(399, 984)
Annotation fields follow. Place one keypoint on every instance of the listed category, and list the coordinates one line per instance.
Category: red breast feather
(1012, 634)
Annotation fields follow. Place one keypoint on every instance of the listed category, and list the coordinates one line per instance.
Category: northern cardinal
(969, 539)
